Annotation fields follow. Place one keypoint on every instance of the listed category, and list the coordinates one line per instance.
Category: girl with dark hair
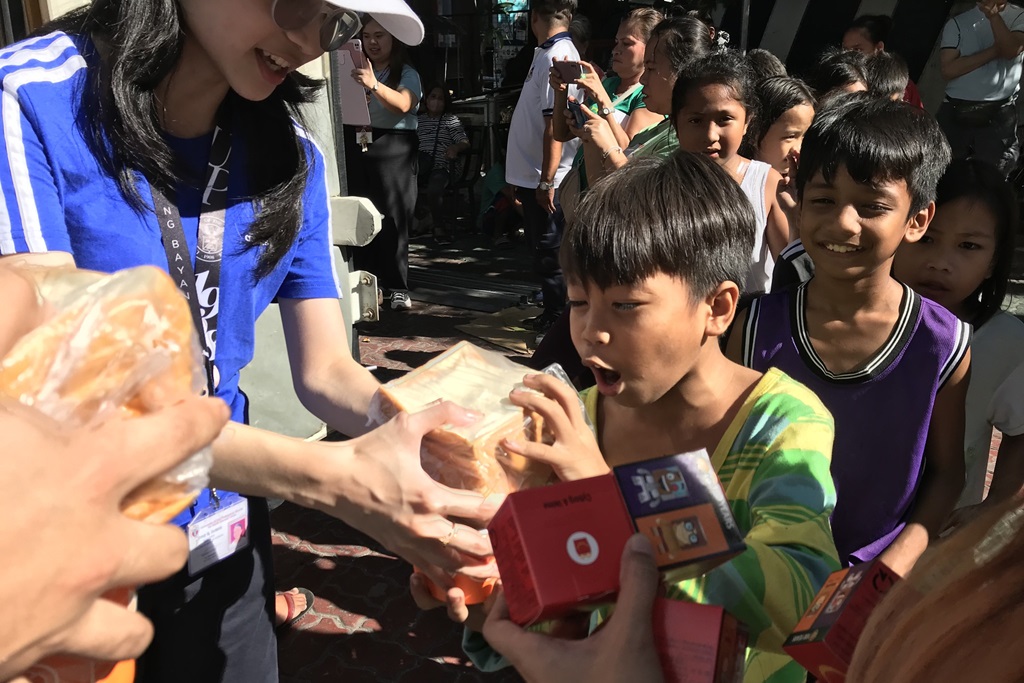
(381, 163)
(441, 140)
(712, 104)
(785, 110)
(765, 65)
(964, 262)
(165, 133)
(867, 35)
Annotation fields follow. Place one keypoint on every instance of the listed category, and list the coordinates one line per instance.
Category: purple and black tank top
(882, 410)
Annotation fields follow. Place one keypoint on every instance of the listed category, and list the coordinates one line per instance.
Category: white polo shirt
(970, 33)
(536, 102)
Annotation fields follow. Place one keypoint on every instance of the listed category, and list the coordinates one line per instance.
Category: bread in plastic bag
(469, 457)
(121, 344)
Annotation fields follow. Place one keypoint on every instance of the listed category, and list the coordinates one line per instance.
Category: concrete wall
(51, 9)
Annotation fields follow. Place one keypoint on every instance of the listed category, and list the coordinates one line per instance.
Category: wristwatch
(545, 186)
(605, 111)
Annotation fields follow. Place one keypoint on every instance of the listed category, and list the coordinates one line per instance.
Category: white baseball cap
(395, 16)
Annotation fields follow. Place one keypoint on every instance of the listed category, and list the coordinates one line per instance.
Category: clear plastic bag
(471, 457)
(121, 344)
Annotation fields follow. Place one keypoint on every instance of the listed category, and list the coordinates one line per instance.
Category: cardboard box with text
(558, 547)
(698, 643)
(824, 639)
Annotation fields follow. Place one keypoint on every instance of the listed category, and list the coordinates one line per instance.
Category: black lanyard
(200, 285)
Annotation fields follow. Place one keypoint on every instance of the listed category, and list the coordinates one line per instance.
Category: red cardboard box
(558, 547)
(698, 643)
(825, 637)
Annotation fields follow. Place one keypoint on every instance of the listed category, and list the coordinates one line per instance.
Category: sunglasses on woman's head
(337, 27)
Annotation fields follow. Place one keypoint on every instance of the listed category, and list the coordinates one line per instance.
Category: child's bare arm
(943, 478)
(1007, 481)
(777, 230)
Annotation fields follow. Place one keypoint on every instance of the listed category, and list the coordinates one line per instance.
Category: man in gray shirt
(981, 62)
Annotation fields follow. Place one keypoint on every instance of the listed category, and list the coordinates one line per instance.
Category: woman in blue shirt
(384, 170)
(165, 132)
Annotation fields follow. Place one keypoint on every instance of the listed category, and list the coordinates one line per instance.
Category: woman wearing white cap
(384, 171)
(164, 132)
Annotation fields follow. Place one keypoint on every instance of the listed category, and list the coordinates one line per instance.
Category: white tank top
(754, 182)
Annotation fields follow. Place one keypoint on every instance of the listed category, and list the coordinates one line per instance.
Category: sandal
(293, 616)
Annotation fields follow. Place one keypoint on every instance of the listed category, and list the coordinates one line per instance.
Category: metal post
(8, 25)
(745, 30)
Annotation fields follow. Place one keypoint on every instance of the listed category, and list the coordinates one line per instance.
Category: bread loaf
(471, 457)
(121, 343)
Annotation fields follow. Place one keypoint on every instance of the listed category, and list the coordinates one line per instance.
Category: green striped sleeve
(777, 480)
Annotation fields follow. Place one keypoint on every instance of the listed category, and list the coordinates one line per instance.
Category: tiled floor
(363, 626)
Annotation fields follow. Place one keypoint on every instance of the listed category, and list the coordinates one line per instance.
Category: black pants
(544, 235)
(386, 175)
(994, 141)
(218, 627)
(433, 185)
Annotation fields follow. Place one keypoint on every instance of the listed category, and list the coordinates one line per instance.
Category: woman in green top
(672, 45)
(618, 99)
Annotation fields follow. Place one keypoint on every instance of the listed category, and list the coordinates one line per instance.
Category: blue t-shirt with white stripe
(56, 197)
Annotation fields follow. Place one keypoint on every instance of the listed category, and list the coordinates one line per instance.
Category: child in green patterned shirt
(652, 261)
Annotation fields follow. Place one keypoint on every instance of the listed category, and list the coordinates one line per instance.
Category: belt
(995, 104)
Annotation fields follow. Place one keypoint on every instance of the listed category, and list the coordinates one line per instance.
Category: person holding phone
(618, 98)
(190, 106)
(381, 164)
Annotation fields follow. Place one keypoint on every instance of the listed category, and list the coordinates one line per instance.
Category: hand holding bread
(574, 453)
(383, 491)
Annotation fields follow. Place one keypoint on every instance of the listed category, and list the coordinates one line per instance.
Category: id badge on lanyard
(217, 531)
(221, 527)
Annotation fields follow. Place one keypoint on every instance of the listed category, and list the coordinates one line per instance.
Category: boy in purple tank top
(890, 366)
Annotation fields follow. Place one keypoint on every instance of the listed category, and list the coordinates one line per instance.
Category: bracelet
(374, 88)
(604, 157)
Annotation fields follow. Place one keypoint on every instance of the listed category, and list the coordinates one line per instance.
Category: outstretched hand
(383, 491)
(470, 616)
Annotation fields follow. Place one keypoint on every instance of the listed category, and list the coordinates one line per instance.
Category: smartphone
(354, 48)
(577, 113)
(569, 71)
